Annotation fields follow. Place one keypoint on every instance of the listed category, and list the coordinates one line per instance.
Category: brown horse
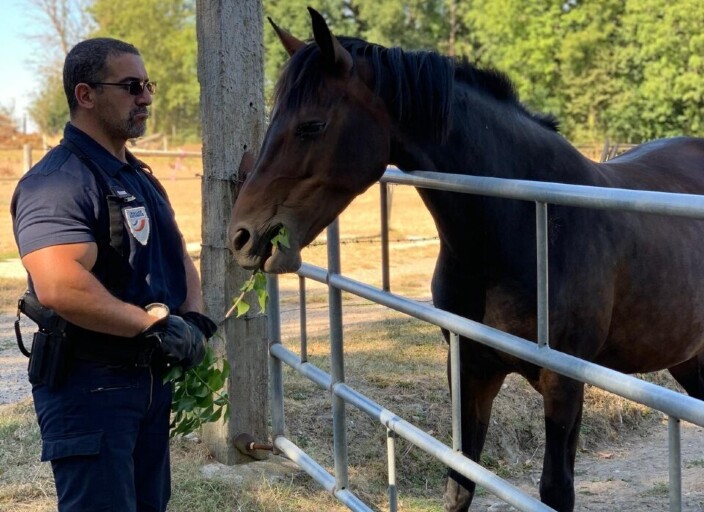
(626, 290)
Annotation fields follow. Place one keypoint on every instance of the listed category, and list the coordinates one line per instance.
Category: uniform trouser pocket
(83, 444)
(81, 471)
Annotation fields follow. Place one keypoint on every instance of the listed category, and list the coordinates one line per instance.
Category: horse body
(626, 290)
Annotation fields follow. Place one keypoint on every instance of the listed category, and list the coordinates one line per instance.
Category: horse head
(310, 168)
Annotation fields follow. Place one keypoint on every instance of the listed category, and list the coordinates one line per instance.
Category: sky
(18, 81)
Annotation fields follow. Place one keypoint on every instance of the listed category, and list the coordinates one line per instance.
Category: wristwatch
(157, 309)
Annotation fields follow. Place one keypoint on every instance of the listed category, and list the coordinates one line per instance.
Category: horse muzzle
(253, 251)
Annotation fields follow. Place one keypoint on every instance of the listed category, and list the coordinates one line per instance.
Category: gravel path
(13, 365)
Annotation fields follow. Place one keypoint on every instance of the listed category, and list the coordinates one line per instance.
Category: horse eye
(309, 129)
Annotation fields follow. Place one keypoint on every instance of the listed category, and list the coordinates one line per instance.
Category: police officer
(100, 244)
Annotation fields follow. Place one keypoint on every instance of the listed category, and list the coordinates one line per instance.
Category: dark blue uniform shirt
(59, 202)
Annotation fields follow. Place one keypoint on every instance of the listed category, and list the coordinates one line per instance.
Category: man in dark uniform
(100, 244)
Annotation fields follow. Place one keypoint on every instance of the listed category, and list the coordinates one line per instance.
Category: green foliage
(660, 91)
(198, 394)
(281, 238)
(49, 108)
(629, 70)
(255, 283)
(412, 25)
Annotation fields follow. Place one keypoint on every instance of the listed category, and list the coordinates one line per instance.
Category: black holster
(50, 360)
(50, 357)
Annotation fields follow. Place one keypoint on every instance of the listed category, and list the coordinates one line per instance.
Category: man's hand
(182, 339)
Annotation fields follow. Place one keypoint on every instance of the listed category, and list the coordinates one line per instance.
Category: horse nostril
(240, 240)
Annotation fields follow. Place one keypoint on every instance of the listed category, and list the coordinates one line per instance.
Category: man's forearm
(77, 296)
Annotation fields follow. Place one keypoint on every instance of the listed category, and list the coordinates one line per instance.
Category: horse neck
(490, 138)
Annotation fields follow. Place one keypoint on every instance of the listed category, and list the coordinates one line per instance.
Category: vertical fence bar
(385, 278)
(391, 455)
(276, 375)
(456, 391)
(541, 229)
(675, 452)
(337, 363)
(303, 318)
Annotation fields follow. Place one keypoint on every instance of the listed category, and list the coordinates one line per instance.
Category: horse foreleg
(563, 400)
(479, 385)
(690, 375)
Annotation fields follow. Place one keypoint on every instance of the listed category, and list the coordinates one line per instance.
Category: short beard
(133, 129)
(126, 129)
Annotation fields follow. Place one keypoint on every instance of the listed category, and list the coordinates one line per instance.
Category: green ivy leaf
(242, 308)
(281, 238)
(199, 395)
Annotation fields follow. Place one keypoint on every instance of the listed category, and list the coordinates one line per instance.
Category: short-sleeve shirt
(60, 202)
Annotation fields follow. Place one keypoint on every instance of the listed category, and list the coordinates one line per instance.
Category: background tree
(659, 84)
(292, 15)
(413, 24)
(629, 70)
(522, 39)
(590, 34)
(49, 109)
(63, 23)
(165, 33)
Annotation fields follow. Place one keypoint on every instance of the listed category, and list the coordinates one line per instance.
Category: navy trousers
(106, 433)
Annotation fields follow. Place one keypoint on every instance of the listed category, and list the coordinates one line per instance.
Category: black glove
(202, 322)
(181, 341)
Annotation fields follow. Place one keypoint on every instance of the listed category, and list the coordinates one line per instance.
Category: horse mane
(417, 86)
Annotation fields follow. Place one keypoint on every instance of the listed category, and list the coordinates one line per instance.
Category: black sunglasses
(134, 87)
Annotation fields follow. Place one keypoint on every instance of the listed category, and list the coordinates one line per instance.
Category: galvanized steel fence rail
(676, 405)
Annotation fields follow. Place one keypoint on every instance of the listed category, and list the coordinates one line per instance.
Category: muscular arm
(63, 282)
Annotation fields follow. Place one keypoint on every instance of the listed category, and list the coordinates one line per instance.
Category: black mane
(417, 86)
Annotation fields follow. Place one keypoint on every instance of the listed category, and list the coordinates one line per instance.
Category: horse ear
(291, 44)
(334, 55)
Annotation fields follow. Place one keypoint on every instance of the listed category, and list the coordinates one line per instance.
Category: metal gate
(676, 405)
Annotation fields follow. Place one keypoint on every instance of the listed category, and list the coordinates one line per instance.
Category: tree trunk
(231, 75)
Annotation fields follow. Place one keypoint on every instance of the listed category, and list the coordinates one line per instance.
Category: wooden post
(26, 157)
(231, 75)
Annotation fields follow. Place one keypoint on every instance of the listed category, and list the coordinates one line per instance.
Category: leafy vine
(199, 395)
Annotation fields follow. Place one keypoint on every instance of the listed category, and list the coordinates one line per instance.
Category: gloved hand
(204, 324)
(181, 340)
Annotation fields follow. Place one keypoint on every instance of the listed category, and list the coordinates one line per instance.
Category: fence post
(385, 211)
(337, 362)
(675, 457)
(26, 157)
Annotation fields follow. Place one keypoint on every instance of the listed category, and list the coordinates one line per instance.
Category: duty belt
(112, 350)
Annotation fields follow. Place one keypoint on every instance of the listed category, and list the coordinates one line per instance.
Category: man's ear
(85, 95)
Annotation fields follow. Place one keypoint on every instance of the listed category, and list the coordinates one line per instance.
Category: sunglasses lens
(136, 87)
